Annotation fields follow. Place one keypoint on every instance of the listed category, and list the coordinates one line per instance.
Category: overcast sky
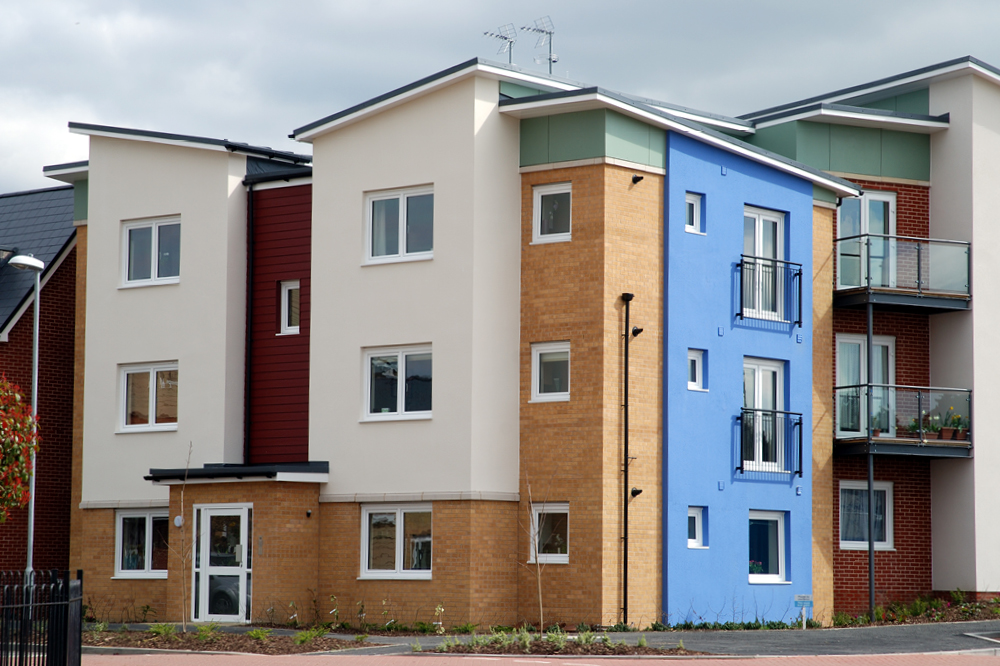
(255, 70)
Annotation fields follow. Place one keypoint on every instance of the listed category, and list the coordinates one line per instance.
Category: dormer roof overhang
(859, 116)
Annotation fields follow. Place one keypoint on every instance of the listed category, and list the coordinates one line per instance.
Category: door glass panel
(249, 548)
(769, 240)
(878, 217)
(849, 251)
(224, 542)
(749, 380)
(849, 374)
(197, 595)
(223, 594)
(749, 247)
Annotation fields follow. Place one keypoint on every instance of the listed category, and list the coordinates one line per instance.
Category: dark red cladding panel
(279, 364)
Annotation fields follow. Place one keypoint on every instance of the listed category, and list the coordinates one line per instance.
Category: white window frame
(534, 556)
(402, 255)
(398, 573)
(758, 464)
(889, 197)
(286, 289)
(758, 312)
(152, 368)
(885, 486)
(887, 341)
(154, 224)
(698, 513)
(698, 356)
(536, 213)
(694, 200)
(781, 576)
(537, 350)
(400, 414)
(149, 514)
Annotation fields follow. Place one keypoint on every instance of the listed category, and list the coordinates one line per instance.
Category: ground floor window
(767, 547)
(396, 541)
(141, 542)
(854, 515)
(550, 533)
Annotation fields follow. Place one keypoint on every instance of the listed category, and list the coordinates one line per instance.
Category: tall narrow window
(763, 402)
(550, 533)
(289, 307)
(866, 229)
(696, 527)
(149, 397)
(764, 280)
(400, 225)
(692, 213)
(552, 213)
(696, 370)
(853, 384)
(387, 397)
(550, 372)
(152, 252)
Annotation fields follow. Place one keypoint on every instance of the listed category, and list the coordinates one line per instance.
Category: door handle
(238, 553)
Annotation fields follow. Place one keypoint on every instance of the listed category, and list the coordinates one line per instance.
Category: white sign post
(803, 601)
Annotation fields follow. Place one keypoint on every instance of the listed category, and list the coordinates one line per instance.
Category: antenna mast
(508, 35)
(544, 28)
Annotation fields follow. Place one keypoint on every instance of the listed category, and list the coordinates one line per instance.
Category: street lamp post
(29, 263)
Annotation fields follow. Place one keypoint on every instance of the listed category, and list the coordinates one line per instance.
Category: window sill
(396, 575)
(149, 283)
(404, 259)
(690, 547)
(770, 582)
(695, 232)
(554, 238)
(161, 428)
(552, 397)
(561, 560)
(862, 546)
(286, 333)
(380, 418)
(159, 575)
(698, 390)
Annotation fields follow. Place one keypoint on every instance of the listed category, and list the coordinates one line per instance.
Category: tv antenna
(544, 28)
(508, 35)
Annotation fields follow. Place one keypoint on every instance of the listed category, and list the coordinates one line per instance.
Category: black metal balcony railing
(770, 441)
(770, 289)
(916, 415)
(916, 265)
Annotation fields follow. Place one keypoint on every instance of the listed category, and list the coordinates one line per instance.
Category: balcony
(770, 441)
(770, 289)
(906, 420)
(902, 273)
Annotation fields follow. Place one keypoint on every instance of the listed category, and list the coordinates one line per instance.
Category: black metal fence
(40, 618)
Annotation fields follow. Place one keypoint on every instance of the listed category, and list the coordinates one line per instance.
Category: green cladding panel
(856, 150)
(906, 155)
(635, 141)
(778, 139)
(823, 194)
(591, 134)
(576, 136)
(508, 89)
(813, 144)
(80, 198)
(916, 102)
(534, 141)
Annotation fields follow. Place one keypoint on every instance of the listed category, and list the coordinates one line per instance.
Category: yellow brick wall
(76, 492)
(822, 434)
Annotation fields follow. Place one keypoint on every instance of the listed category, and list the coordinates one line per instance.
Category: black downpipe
(249, 339)
(628, 300)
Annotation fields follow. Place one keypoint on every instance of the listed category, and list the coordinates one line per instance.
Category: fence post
(74, 622)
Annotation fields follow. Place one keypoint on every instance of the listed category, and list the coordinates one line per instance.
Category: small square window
(396, 541)
(550, 372)
(552, 213)
(151, 252)
(692, 213)
(550, 533)
(289, 308)
(695, 370)
(854, 515)
(149, 397)
(387, 398)
(141, 544)
(400, 225)
(767, 547)
(696, 527)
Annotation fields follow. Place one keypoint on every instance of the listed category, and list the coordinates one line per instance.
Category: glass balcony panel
(948, 268)
(926, 414)
(916, 265)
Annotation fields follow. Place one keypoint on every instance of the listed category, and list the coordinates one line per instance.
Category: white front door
(223, 563)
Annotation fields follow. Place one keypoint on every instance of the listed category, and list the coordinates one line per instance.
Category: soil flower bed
(215, 642)
(525, 643)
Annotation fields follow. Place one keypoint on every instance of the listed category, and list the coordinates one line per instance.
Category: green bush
(466, 628)
(208, 632)
(621, 627)
(658, 626)
(259, 634)
(425, 627)
(309, 635)
(163, 630)
(642, 641)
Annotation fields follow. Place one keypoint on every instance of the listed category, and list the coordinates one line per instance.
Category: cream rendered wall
(464, 302)
(199, 322)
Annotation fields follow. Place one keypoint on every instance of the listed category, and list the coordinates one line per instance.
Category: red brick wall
(55, 420)
(912, 206)
(279, 364)
(912, 333)
(904, 573)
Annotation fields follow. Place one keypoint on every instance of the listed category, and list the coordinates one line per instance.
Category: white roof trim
(53, 267)
(149, 139)
(275, 184)
(429, 87)
(859, 119)
(659, 121)
(705, 120)
(70, 175)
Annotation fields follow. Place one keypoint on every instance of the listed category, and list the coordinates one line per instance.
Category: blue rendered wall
(701, 433)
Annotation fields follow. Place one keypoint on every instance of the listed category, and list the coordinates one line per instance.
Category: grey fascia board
(906, 77)
(817, 111)
(284, 174)
(698, 132)
(302, 133)
(195, 141)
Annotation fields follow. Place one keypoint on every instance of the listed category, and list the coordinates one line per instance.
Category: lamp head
(636, 331)
(636, 491)
(636, 178)
(26, 262)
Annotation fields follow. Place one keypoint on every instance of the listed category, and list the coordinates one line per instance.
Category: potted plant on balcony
(932, 426)
(961, 426)
(948, 424)
(880, 419)
(910, 430)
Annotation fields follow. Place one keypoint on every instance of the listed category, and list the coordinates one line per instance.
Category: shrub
(621, 627)
(163, 630)
(309, 635)
(842, 619)
(658, 626)
(425, 627)
(259, 634)
(958, 596)
(416, 646)
(466, 628)
(98, 627)
(361, 638)
(642, 640)
(558, 639)
(208, 632)
(585, 637)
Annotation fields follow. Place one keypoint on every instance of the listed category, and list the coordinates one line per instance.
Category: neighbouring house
(41, 223)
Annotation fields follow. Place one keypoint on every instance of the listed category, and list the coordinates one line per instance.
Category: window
(550, 372)
(872, 213)
(387, 398)
(149, 395)
(289, 308)
(696, 364)
(854, 515)
(396, 541)
(152, 252)
(141, 541)
(763, 275)
(852, 378)
(552, 213)
(763, 420)
(550, 533)
(696, 527)
(692, 209)
(767, 547)
(400, 225)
